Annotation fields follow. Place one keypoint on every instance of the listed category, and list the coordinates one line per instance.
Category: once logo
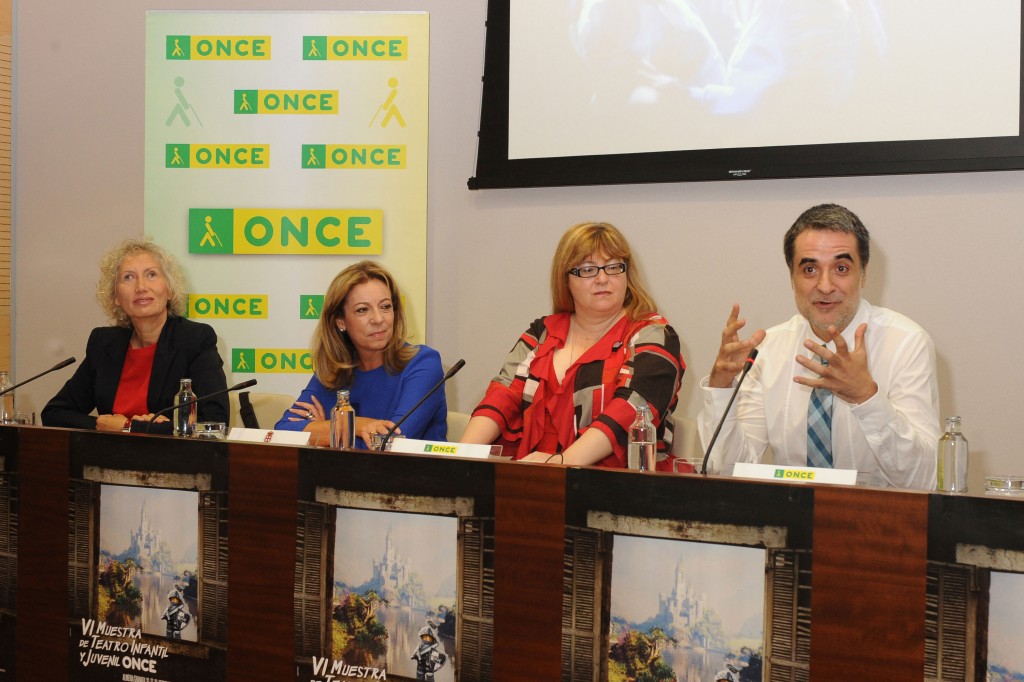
(286, 102)
(271, 360)
(281, 231)
(441, 449)
(244, 307)
(355, 48)
(179, 155)
(186, 47)
(350, 156)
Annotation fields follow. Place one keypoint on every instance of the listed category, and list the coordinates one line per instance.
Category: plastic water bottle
(185, 417)
(952, 464)
(7, 400)
(343, 423)
(642, 453)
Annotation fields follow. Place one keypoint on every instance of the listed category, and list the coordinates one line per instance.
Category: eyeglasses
(588, 271)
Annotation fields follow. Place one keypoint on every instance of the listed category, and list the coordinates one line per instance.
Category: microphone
(747, 364)
(60, 365)
(247, 412)
(448, 375)
(186, 403)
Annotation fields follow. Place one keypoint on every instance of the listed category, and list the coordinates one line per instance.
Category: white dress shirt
(891, 439)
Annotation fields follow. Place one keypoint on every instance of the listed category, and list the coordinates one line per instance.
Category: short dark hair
(831, 217)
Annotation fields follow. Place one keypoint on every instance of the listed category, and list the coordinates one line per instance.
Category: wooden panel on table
(529, 544)
(42, 632)
(868, 584)
(262, 515)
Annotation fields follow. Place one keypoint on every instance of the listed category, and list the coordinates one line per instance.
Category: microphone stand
(191, 401)
(59, 365)
(747, 364)
(452, 372)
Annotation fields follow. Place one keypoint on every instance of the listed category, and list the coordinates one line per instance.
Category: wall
(946, 247)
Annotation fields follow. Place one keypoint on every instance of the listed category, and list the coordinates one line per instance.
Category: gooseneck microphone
(60, 365)
(186, 403)
(747, 364)
(448, 375)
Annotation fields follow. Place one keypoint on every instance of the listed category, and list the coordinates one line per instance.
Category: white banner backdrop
(281, 148)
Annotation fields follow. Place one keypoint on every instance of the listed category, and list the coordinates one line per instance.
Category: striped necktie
(819, 427)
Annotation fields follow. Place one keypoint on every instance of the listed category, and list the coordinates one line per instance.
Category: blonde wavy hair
(334, 357)
(579, 243)
(110, 266)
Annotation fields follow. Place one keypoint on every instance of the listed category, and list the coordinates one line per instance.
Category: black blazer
(185, 349)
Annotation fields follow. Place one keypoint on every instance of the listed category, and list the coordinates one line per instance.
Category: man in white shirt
(880, 401)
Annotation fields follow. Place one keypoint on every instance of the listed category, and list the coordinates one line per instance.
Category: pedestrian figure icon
(312, 161)
(245, 106)
(182, 106)
(311, 308)
(313, 52)
(177, 51)
(176, 159)
(389, 107)
(211, 238)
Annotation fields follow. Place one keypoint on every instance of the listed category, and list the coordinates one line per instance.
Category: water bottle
(185, 417)
(952, 464)
(7, 400)
(343, 423)
(642, 453)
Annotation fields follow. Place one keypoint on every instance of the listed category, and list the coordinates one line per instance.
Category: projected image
(149, 540)
(685, 611)
(593, 77)
(394, 595)
(725, 55)
(1005, 630)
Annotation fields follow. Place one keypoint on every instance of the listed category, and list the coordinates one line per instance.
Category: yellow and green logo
(271, 360)
(355, 48)
(286, 102)
(310, 306)
(353, 156)
(228, 306)
(189, 47)
(303, 231)
(179, 155)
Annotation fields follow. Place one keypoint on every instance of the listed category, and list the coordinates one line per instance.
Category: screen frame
(495, 170)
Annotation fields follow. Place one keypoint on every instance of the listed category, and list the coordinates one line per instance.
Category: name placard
(269, 436)
(412, 446)
(794, 474)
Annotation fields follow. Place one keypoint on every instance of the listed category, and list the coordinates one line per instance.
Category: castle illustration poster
(148, 555)
(685, 610)
(394, 601)
(1005, 632)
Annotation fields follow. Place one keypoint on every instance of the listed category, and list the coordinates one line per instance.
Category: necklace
(589, 340)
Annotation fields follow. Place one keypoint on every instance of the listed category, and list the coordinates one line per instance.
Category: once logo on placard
(350, 156)
(285, 231)
(271, 360)
(286, 102)
(441, 449)
(228, 306)
(180, 155)
(355, 48)
(798, 475)
(189, 47)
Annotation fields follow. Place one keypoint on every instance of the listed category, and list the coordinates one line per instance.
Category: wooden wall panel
(263, 511)
(529, 545)
(42, 625)
(868, 585)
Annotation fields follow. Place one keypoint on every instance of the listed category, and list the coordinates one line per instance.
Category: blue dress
(378, 394)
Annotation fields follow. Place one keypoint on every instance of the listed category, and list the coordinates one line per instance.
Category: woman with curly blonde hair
(133, 368)
(360, 345)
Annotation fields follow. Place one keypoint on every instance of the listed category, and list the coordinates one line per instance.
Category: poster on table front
(145, 617)
(1005, 632)
(393, 598)
(282, 147)
(685, 611)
